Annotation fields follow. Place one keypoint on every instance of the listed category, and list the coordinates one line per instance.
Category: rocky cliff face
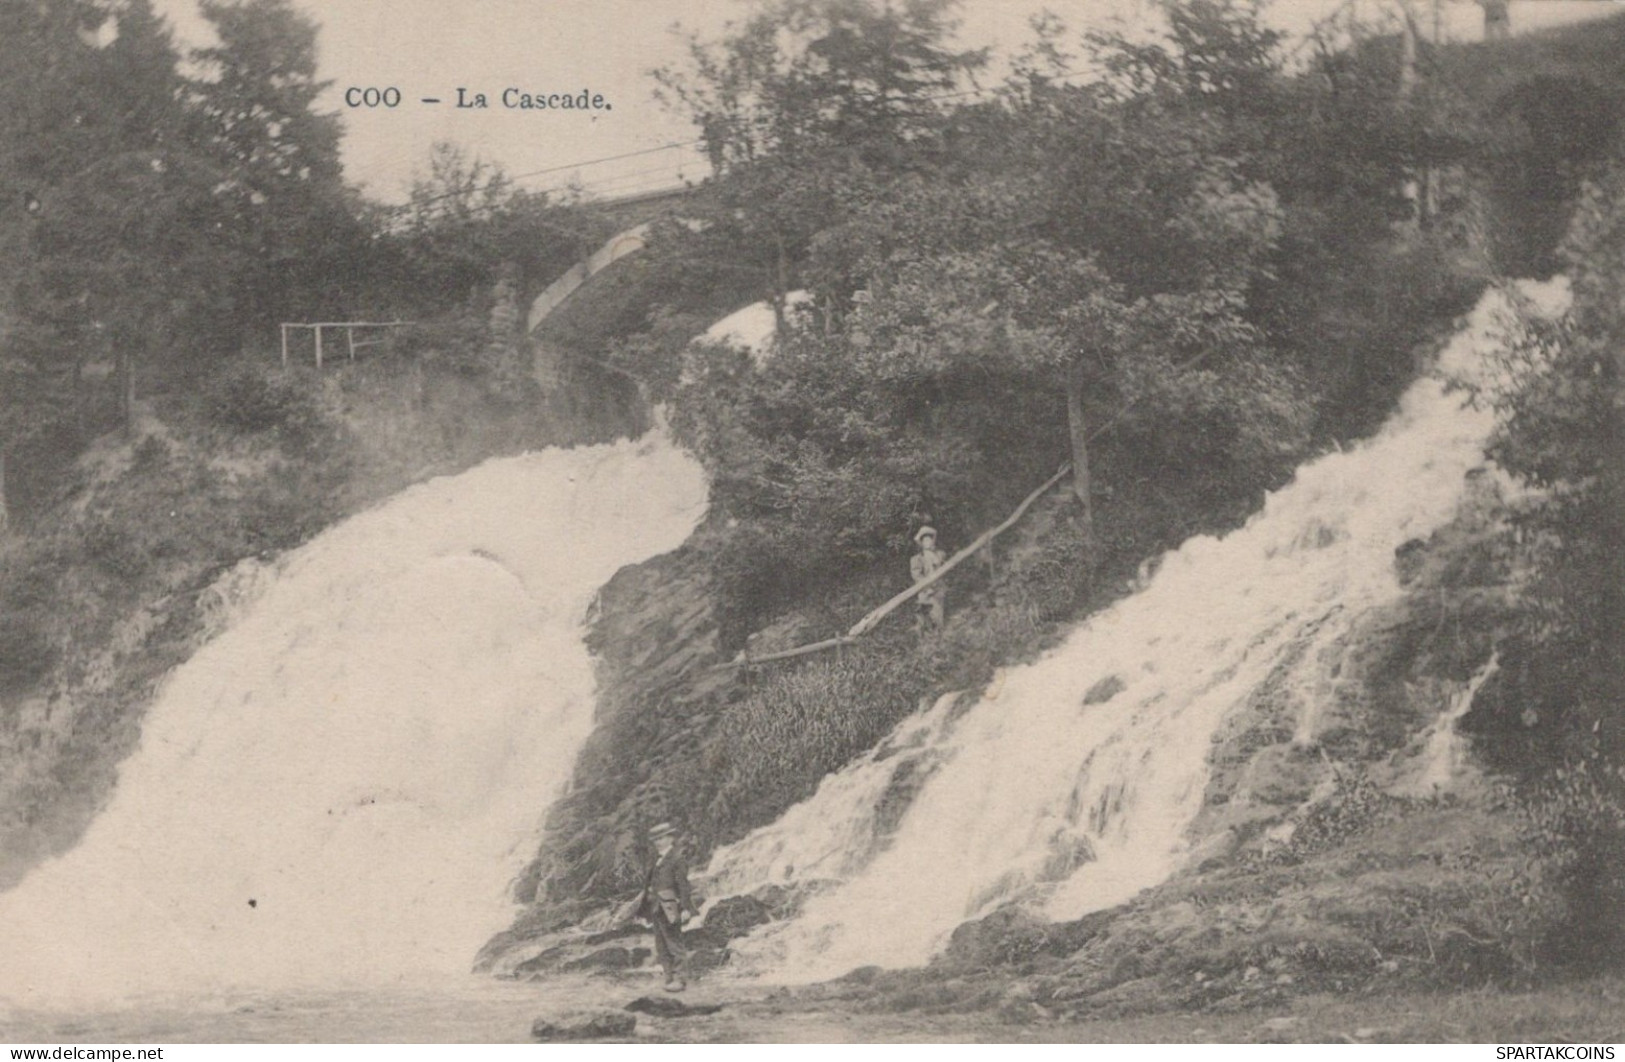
(654, 639)
(1383, 692)
(1373, 851)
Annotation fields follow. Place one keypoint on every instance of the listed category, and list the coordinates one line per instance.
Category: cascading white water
(339, 789)
(1037, 796)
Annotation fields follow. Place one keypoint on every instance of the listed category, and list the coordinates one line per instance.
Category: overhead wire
(606, 183)
(583, 164)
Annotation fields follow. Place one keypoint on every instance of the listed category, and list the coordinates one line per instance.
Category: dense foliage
(1186, 260)
(1168, 261)
(163, 212)
(1557, 718)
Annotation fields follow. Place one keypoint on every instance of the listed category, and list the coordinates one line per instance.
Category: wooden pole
(349, 338)
(284, 330)
(318, 346)
(800, 650)
(868, 622)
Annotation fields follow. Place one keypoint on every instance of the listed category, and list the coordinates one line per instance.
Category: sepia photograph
(812, 521)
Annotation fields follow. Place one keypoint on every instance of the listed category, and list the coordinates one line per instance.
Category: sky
(431, 48)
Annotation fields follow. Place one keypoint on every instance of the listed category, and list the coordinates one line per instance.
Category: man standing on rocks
(667, 901)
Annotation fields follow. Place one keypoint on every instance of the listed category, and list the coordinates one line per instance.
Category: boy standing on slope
(928, 601)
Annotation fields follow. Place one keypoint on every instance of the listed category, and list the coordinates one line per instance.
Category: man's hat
(922, 532)
(662, 830)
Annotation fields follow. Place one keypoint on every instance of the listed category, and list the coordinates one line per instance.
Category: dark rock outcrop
(610, 1025)
(666, 1007)
(654, 638)
(1013, 935)
(736, 916)
(608, 959)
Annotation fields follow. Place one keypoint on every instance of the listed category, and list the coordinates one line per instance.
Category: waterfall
(339, 788)
(1073, 783)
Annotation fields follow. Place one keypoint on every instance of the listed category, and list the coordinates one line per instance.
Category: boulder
(609, 1025)
(781, 902)
(1011, 935)
(736, 915)
(704, 959)
(863, 975)
(544, 960)
(666, 1007)
(1007, 935)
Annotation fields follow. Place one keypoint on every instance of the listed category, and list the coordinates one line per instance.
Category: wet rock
(736, 916)
(781, 902)
(1004, 936)
(549, 959)
(704, 959)
(616, 958)
(618, 933)
(609, 1025)
(1067, 856)
(1011, 935)
(1409, 559)
(666, 1007)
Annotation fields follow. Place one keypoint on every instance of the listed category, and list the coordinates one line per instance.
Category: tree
(1072, 271)
(803, 78)
(1153, 196)
(1556, 717)
(113, 250)
(809, 105)
(464, 222)
(290, 224)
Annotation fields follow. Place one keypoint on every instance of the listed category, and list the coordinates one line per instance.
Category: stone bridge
(636, 214)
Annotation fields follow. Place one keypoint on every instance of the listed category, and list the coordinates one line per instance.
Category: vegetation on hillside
(1180, 264)
(1177, 264)
(1177, 269)
(1556, 718)
(161, 214)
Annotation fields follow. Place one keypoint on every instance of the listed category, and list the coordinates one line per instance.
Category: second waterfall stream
(1071, 784)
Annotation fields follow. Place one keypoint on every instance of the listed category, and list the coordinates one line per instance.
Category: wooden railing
(349, 335)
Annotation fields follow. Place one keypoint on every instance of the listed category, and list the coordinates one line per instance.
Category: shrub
(1576, 823)
(249, 400)
(459, 342)
(114, 548)
(26, 653)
